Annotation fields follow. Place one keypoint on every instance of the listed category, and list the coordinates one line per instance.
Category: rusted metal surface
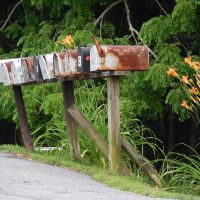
(130, 58)
(27, 71)
(72, 62)
(25, 132)
(59, 64)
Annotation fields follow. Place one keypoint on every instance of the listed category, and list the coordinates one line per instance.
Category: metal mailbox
(49, 63)
(25, 71)
(6, 72)
(36, 69)
(83, 60)
(16, 71)
(119, 57)
(44, 68)
(59, 64)
(72, 62)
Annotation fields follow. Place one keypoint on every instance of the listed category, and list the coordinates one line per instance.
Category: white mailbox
(73, 62)
(49, 63)
(5, 75)
(16, 71)
(44, 68)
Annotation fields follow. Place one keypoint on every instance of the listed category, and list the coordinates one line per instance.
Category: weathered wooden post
(68, 95)
(23, 120)
(114, 124)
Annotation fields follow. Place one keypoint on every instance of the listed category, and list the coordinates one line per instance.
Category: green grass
(126, 183)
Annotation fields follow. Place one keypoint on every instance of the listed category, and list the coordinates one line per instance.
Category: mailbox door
(83, 59)
(24, 72)
(43, 67)
(16, 71)
(73, 62)
(49, 61)
(36, 69)
(30, 68)
(67, 65)
(5, 75)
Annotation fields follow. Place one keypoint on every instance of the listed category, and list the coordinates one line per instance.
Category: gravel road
(22, 179)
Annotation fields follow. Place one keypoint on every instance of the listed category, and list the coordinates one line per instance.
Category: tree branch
(9, 16)
(106, 10)
(133, 30)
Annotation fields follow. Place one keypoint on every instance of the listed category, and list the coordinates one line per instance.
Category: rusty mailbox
(83, 59)
(71, 62)
(119, 57)
(59, 64)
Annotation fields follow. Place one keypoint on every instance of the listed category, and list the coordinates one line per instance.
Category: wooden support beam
(23, 120)
(140, 161)
(68, 95)
(114, 124)
(93, 134)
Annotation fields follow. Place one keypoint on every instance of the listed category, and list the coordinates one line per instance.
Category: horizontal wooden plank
(100, 74)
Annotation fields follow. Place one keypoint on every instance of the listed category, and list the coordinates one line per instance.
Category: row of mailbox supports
(73, 63)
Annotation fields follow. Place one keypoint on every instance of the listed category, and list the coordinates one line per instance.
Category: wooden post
(114, 124)
(94, 135)
(23, 120)
(68, 95)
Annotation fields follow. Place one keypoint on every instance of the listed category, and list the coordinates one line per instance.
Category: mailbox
(119, 57)
(16, 71)
(5, 74)
(61, 64)
(27, 66)
(83, 60)
(43, 67)
(72, 62)
(36, 69)
(25, 71)
(49, 63)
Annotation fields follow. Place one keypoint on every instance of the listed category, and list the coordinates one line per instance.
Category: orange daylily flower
(195, 65)
(186, 105)
(188, 60)
(68, 40)
(194, 100)
(185, 79)
(172, 72)
(194, 90)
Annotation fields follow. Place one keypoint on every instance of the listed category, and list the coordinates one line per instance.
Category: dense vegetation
(171, 29)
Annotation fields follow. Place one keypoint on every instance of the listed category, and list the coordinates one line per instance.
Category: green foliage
(181, 173)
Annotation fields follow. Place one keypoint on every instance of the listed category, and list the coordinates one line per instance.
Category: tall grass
(181, 172)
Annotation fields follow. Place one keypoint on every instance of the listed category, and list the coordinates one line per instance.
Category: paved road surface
(22, 179)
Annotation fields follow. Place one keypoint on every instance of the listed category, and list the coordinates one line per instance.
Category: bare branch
(9, 16)
(161, 7)
(106, 10)
(133, 30)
